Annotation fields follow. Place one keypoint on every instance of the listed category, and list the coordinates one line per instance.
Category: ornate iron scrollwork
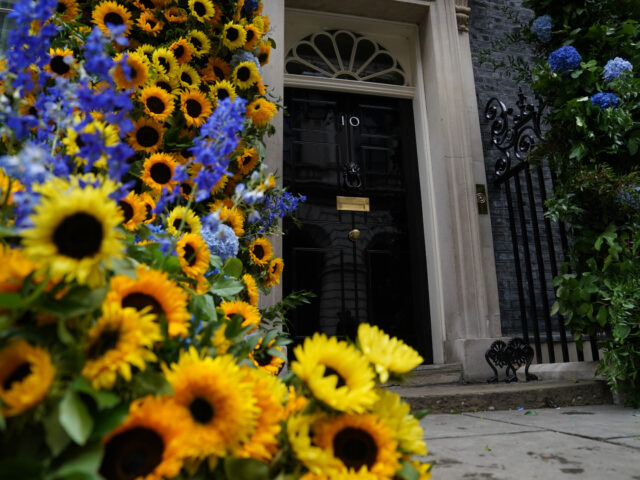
(513, 134)
(513, 354)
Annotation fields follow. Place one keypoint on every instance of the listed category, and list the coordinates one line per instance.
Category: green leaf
(64, 335)
(246, 469)
(420, 414)
(151, 383)
(621, 331)
(226, 287)
(103, 399)
(274, 352)
(8, 231)
(85, 462)
(555, 308)
(408, 471)
(55, 436)
(602, 316)
(78, 302)
(74, 417)
(531, 412)
(107, 420)
(3, 423)
(20, 469)
(232, 267)
(12, 301)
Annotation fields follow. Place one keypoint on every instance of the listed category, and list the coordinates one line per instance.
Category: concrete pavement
(579, 443)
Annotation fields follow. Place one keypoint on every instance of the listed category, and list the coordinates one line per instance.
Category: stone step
(502, 396)
(424, 375)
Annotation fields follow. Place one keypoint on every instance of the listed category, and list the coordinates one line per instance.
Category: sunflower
(247, 160)
(397, 415)
(220, 184)
(263, 360)
(200, 42)
(233, 36)
(15, 268)
(157, 172)
(193, 255)
(146, 135)
(388, 355)
(165, 82)
(260, 251)
(188, 77)
(253, 36)
(221, 90)
(252, 289)
(216, 70)
(8, 186)
(196, 107)
(186, 188)
(261, 111)
(149, 205)
(335, 373)
(219, 402)
(26, 375)
(231, 217)
(176, 15)
(61, 62)
(122, 338)
(179, 215)
(67, 9)
(145, 5)
(249, 313)
(269, 393)
(133, 210)
(182, 50)
(359, 441)
(149, 443)
(145, 50)
(109, 12)
(316, 459)
(158, 104)
(134, 74)
(165, 62)
(245, 75)
(148, 23)
(152, 288)
(274, 271)
(202, 10)
(74, 232)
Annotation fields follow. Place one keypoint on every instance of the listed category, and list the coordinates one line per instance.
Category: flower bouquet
(135, 213)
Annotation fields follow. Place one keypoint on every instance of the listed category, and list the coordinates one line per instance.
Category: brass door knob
(354, 235)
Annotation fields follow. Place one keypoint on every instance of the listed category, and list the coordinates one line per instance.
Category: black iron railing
(539, 245)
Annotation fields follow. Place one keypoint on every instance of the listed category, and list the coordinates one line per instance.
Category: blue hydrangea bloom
(541, 28)
(564, 59)
(222, 242)
(605, 100)
(614, 68)
(245, 57)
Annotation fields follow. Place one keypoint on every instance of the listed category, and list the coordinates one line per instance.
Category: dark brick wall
(488, 23)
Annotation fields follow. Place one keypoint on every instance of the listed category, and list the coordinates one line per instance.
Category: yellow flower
(231, 217)
(153, 288)
(245, 75)
(8, 186)
(193, 255)
(122, 338)
(316, 459)
(261, 111)
(26, 375)
(335, 373)
(221, 90)
(397, 415)
(165, 62)
(158, 104)
(247, 160)
(196, 107)
(149, 444)
(253, 36)
(251, 288)
(221, 409)
(146, 135)
(216, 70)
(249, 313)
(200, 42)
(111, 12)
(133, 210)
(192, 222)
(188, 77)
(264, 361)
(148, 23)
(233, 36)
(67, 9)
(176, 15)
(73, 233)
(388, 355)
(182, 50)
(274, 271)
(15, 268)
(137, 73)
(264, 53)
(157, 172)
(61, 62)
(202, 10)
(260, 251)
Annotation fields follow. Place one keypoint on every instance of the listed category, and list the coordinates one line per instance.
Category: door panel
(357, 146)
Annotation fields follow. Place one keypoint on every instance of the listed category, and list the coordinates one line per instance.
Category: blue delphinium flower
(250, 6)
(541, 28)
(605, 100)
(564, 59)
(222, 242)
(277, 206)
(614, 68)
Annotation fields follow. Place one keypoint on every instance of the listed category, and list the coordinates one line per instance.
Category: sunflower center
(132, 454)
(127, 209)
(185, 228)
(194, 109)
(190, 255)
(61, 8)
(330, 371)
(186, 78)
(78, 236)
(113, 18)
(33, 111)
(155, 105)
(178, 51)
(147, 136)
(20, 373)
(258, 252)
(232, 34)
(244, 74)
(199, 9)
(164, 86)
(262, 58)
(196, 43)
(58, 65)
(106, 341)
(222, 94)
(264, 359)
(151, 24)
(355, 448)
(201, 410)
(218, 71)
(147, 4)
(164, 63)
(142, 300)
(250, 35)
(160, 173)
(256, 107)
(186, 189)
(149, 212)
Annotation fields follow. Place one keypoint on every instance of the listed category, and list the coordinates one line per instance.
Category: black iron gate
(539, 245)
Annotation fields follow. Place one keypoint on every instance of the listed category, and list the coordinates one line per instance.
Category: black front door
(360, 243)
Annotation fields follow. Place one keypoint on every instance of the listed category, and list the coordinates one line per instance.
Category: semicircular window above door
(344, 55)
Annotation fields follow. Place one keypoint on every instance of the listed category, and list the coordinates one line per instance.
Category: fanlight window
(345, 55)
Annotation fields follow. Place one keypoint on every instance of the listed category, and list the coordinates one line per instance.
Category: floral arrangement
(134, 241)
